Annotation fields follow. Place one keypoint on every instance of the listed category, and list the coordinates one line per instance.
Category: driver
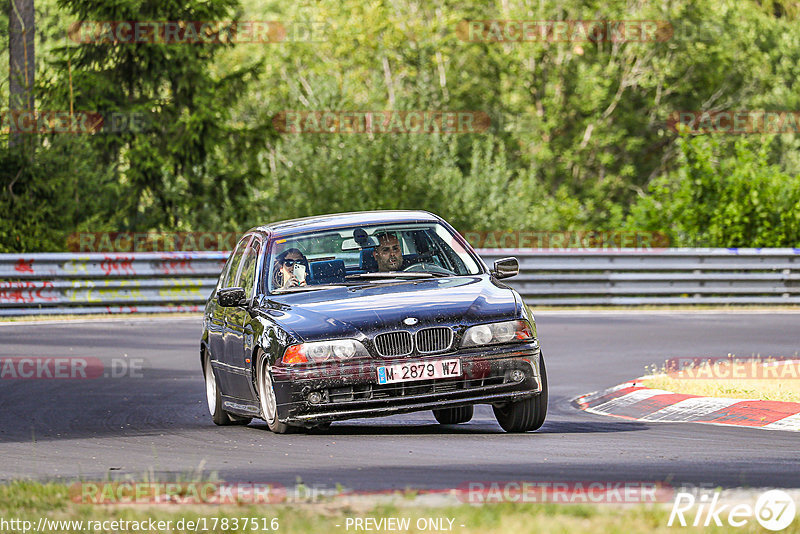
(388, 254)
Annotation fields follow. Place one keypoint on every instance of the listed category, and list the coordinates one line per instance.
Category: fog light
(517, 375)
(315, 397)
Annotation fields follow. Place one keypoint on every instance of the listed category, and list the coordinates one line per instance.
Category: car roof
(338, 220)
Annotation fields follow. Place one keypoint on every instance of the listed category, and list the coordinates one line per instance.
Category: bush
(47, 194)
(721, 200)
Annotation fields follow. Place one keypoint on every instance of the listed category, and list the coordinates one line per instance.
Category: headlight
(505, 332)
(345, 349)
(322, 351)
(478, 335)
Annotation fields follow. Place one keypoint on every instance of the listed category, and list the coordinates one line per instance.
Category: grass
(27, 500)
(737, 378)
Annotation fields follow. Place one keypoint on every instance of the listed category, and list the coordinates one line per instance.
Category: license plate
(407, 372)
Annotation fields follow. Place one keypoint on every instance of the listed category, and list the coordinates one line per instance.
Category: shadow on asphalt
(347, 428)
(566, 427)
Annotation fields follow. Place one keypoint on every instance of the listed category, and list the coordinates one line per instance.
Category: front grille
(349, 393)
(393, 344)
(434, 339)
(369, 392)
(404, 389)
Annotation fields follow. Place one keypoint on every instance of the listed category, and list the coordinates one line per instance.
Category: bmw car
(368, 314)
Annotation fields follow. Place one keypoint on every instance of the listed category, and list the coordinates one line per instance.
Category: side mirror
(230, 296)
(506, 268)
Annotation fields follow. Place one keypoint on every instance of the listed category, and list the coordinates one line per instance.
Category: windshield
(366, 253)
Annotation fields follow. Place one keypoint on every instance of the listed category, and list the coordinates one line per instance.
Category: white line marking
(690, 409)
(791, 422)
(608, 408)
(588, 398)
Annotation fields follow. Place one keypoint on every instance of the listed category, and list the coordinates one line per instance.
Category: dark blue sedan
(368, 314)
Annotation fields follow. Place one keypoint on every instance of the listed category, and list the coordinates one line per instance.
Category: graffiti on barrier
(117, 265)
(20, 291)
(24, 266)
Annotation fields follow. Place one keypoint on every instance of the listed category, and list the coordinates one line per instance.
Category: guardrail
(181, 281)
(656, 276)
(144, 282)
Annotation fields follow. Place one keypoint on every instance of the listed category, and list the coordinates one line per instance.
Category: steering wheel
(427, 268)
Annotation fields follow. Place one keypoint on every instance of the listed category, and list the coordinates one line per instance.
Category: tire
(267, 400)
(214, 399)
(527, 414)
(454, 416)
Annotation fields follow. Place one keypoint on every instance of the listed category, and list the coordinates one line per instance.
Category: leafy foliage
(579, 136)
(172, 167)
(713, 200)
(45, 198)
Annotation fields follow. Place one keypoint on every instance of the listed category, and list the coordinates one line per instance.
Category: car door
(219, 331)
(239, 339)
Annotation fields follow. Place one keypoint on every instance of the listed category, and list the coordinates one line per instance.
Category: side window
(248, 269)
(233, 263)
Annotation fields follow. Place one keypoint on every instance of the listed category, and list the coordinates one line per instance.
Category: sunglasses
(291, 263)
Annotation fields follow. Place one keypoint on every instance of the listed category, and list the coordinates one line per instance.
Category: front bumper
(351, 390)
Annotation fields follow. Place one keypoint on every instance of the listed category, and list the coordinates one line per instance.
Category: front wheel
(268, 401)
(453, 416)
(214, 399)
(527, 414)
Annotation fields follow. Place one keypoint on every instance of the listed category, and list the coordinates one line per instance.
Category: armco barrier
(656, 276)
(107, 283)
(181, 281)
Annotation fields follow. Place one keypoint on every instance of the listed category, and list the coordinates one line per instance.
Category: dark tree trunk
(21, 64)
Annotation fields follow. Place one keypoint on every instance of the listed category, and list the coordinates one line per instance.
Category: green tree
(63, 189)
(188, 154)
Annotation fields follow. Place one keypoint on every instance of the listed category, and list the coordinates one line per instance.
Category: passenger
(388, 254)
(291, 268)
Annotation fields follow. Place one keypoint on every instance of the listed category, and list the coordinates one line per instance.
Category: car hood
(367, 309)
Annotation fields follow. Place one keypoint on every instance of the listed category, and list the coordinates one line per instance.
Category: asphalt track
(156, 422)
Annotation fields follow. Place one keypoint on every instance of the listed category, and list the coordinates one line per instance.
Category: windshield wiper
(392, 274)
(296, 289)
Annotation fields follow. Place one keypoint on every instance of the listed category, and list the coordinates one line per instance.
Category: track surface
(158, 422)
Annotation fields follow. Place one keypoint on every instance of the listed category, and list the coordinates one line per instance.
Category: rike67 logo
(774, 510)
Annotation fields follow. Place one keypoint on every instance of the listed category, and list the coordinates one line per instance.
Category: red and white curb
(633, 401)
